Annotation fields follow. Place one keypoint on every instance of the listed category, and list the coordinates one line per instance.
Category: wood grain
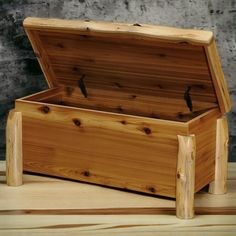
(185, 177)
(162, 72)
(139, 105)
(218, 79)
(128, 104)
(109, 57)
(219, 185)
(136, 78)
(121, 211)
(204, 128)
(44, 63)
(125, 225)
(43, 95)
(76, 120)
(33, 209)
(14, 158)
(81, 195)
(158, 32)
(119, 141)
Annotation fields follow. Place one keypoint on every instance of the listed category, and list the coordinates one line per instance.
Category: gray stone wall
(19, 71)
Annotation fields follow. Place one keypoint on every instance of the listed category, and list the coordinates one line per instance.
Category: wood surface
(219, 185)
(218, 79)
(80, 125)
(137, 78)
(143, 30)
(125, 76)
(84, 209)
(102, 147)
(104, 101)
(185, 177)
(130, 61)
(14, 160)
(45, 95)
(138, 105)
(204, 128)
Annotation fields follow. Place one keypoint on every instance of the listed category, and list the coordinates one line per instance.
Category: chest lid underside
(140, 65)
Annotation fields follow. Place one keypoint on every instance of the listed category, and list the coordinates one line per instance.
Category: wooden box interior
(63, 97)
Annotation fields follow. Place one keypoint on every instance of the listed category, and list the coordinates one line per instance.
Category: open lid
(157, 61)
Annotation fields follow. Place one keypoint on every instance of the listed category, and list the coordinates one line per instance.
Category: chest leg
(185, 177)
(14, 170)
(219, 185)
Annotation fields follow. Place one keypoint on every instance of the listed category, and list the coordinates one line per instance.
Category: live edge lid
(145, 59)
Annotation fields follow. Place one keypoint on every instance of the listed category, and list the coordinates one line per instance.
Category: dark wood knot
(178, 175)
(60, 45)
(180, 115)
(161, 55)
(86, 173)
(45, 109)
(147, 130)
(77, 122)
(75, 68)
(120, 109)
(151, 189)
(69, 91)
(123, 122)
(118, 85)
(153, 115)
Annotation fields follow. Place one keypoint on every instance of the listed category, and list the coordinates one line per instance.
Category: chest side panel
(204, 129)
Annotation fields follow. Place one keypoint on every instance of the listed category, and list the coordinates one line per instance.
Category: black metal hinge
(82, 86)
(188, 99)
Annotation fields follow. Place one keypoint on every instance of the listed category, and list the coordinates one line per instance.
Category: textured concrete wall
(19, 71)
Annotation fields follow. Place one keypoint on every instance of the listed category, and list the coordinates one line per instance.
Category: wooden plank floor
(46, 206)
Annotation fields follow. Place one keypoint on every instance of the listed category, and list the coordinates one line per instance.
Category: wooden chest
(131, 106)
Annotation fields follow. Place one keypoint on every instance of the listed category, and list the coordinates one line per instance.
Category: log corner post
(14, 165)
(219, 185)
(185, 177)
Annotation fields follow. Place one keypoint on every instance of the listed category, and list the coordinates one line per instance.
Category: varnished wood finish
(185, 177)
(14, 170)
(64, 122)
(119, 97)
(43, 61)
(83, 209)
(104, 148)
(219, 185)
(218, 79)
(204, 128)
(45, 95)
(130, 61)
(140, 105)
(128, 104)
(199, 37)
(158, 74)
